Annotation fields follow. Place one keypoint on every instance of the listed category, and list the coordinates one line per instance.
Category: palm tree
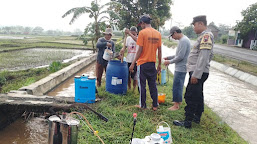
(95, 11)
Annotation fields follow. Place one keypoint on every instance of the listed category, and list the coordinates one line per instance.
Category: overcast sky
(48, 13)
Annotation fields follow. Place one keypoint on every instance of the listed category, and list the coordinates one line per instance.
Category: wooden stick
(124, 46)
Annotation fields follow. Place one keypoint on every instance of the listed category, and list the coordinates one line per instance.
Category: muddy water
(67, 89)
(233, 100)
(35, 131)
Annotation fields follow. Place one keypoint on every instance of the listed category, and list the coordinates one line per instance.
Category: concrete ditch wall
(243, 76)
(46, 84)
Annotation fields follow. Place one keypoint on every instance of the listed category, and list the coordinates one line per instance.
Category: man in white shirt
(132, 49)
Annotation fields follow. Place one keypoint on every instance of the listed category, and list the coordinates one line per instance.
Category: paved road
(235, 52)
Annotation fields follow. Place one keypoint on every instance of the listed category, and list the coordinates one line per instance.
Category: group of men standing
(141, 60)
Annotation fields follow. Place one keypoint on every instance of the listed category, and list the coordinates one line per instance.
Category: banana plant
(96, 12)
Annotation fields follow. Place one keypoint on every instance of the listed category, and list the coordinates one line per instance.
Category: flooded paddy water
(38, 57)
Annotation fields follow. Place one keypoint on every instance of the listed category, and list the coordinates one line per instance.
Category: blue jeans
(178, 85)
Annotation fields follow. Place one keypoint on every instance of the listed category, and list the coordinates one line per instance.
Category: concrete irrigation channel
(33, 98)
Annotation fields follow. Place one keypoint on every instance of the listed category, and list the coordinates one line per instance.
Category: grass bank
(13, 80)
(169, 43)
(240, 65)
(119, 109)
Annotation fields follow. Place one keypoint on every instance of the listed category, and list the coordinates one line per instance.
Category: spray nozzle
(135, 115)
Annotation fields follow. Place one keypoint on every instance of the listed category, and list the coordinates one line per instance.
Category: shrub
(118, 45)
(55, 66)
(224, 39)
(2, 79)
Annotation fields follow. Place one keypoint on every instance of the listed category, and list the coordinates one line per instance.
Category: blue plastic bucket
(117, 77)
(84, 90)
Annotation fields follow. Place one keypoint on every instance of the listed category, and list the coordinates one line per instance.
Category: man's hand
(166, 62)
(165, 58)
(109, 44)
(194, 80)
(119, 57)
(159, 68)
(131, 68)
(122, 51)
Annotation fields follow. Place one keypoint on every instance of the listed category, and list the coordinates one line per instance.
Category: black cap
(144, 18)
(201, 18)
(173, 29)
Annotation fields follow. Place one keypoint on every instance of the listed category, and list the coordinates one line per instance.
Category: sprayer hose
(88, 124)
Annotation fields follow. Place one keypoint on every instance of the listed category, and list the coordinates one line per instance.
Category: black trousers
(194, 98)
(147, 71)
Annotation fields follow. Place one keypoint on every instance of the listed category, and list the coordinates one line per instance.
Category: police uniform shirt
(201, 55)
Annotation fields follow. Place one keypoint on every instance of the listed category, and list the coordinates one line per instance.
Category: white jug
(164, 132)
(107, 54)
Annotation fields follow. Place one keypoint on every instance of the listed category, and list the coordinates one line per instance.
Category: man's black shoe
(186, 124)
(196, 120)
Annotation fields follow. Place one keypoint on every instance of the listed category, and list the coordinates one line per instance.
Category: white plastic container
(163, 129)
(154, 138)
(107, 54)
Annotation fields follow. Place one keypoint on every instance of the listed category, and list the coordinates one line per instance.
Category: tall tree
(189, 31)
(37, 30)
(89, 34)
(224, 29)
(27, 30)
(96, 12)
(131, 10)
(249, 21)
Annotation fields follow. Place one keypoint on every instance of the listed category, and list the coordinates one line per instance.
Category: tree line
(20, 30)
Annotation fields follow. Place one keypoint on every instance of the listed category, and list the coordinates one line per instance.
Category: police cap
(201, 18)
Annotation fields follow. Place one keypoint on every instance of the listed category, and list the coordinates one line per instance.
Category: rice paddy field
(19, 53)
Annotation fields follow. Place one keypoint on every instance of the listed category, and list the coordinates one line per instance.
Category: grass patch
(119, 109)
(13, 80)
(169, 43)
(241, 65)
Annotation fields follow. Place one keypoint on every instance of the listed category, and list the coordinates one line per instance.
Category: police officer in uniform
(198, 65)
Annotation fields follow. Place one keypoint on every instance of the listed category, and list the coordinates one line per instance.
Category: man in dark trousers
(149, 41)
(198, 65)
